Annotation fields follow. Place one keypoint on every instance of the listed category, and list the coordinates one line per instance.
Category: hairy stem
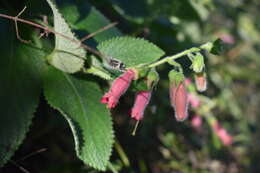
(173, 57)
(178, 55)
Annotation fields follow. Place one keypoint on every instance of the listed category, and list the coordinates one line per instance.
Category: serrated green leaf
(19, 90)
(67, 55)
(131, 51)
(78, 101)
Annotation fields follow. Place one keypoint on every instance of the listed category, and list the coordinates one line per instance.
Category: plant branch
(16, 27)
(173, 57)
(178, 55)
(98, 31)
(15, 19)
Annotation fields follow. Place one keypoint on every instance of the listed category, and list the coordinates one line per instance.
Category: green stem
(178, 55)
(121, 153)
(111, 167)
(174, 63)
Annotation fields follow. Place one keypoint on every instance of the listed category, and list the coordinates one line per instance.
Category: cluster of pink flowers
(178, 96)
(119, 87)
(196, 120)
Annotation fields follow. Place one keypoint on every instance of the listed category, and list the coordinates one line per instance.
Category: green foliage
(78, 100)
(83, 16)
(232, 97)
(131, 51)
(67, 55)
(20, 73)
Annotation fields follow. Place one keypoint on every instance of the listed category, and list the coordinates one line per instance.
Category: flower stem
(122, 154)
(178, 55)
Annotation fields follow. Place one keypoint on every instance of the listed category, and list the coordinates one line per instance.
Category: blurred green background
(162, 145)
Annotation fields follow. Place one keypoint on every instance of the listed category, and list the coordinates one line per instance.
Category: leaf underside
(68, 55)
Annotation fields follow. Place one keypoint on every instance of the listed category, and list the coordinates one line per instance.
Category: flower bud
(118, 88)
(152, 78)
(141, 101)
(201, 81)
(198, 63)
(178, 95)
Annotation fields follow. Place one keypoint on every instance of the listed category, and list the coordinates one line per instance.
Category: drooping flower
(178, 95)
(222, 133)
(118, 88)
(141, 101)
(201, 81)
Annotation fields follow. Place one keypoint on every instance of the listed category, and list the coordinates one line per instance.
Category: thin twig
(32, 154)
(98, 31)
(92, 50)
(20, 167)
(16, 26)
(45, 32)
(15, 163)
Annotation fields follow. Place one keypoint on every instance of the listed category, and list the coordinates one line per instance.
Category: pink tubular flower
(226, 139)
(179, 100)
(201, 81)
(118, 88)
(193, 100)
(141, 101)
